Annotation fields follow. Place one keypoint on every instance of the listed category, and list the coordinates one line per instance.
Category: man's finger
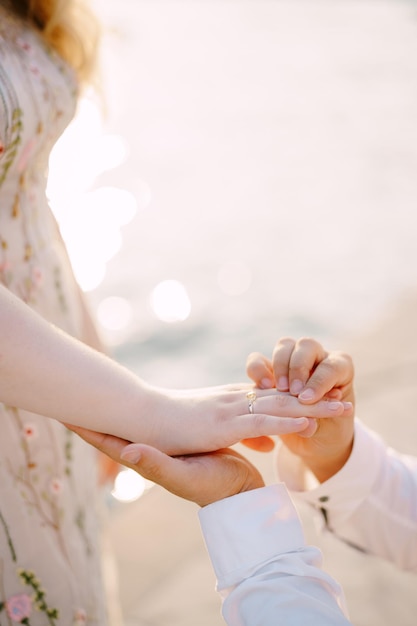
(281, 360)
(259, 369)
(306, 355)
(335, 371)
(153, 464)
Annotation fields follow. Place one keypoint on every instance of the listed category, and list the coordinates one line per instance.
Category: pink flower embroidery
(30, 431)
(80, 618)
(35, 70)
(25, 45)
(4, 267)
(37, 276)
(19, 607)
(56, 486)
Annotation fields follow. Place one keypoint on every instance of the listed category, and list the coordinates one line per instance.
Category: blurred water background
(263, 155)
(251, 174)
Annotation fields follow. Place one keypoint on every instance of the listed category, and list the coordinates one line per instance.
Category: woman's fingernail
(307, 394)
(266, 383)
(282, 384)
(131, 455)
(310, 430)
(348, 406)
(334, 406)
(301, 421)
(296, 387)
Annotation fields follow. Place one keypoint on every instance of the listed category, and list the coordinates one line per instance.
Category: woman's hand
(201, 478)
(211, 419)
(306, 371)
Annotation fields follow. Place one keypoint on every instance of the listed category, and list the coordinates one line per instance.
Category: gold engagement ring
(251, 397)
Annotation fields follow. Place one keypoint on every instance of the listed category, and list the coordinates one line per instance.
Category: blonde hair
(68, 27)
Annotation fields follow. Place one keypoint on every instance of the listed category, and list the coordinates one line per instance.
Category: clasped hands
(300, 371)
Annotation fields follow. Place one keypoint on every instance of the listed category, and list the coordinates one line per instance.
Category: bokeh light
(170, 301)
(129, 486)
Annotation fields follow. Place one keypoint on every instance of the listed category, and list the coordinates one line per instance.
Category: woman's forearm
(45, 371)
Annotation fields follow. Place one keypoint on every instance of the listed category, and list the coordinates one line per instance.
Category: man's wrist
(324, 467)
(250, 485)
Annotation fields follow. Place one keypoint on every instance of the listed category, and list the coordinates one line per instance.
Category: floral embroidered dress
(49, 554)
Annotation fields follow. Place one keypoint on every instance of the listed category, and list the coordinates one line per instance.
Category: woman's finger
(285, 405)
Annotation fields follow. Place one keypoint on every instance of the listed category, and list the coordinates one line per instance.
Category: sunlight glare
(91, 221)
(91, 229)
(117, 207)
(89, 272)
(112, 151)
(77, 151)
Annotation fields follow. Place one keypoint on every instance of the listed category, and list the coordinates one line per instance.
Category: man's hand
(305, 370)
(201, 478)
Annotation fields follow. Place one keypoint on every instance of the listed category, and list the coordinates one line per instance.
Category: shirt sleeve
(371, 503)
(266, 574)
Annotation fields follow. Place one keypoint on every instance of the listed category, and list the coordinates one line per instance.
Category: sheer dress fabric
(49, 552)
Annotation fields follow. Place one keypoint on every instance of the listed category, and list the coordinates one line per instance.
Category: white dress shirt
(370, 503)
(267, 575)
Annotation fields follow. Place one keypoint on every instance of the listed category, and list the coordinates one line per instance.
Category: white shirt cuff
(248, 529)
